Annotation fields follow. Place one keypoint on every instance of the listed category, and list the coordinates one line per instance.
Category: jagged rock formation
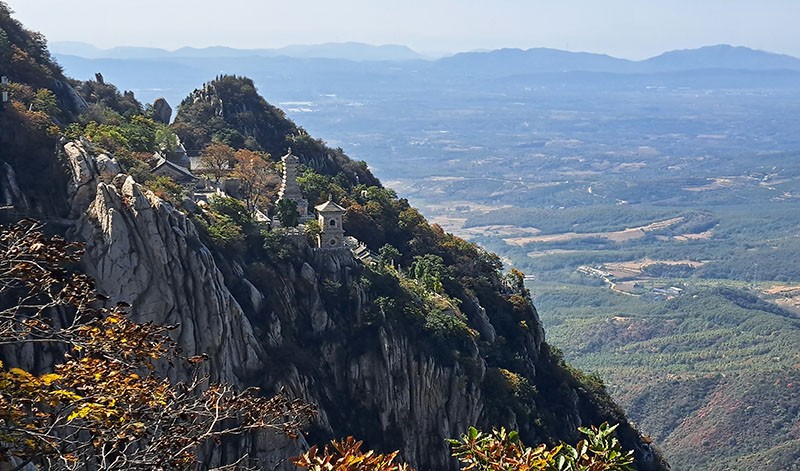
(87, 172)
(69, 97)
(283, 330)
(12, 196)
(141, 249)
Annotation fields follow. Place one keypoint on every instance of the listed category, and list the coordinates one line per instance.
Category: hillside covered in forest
(403, 351)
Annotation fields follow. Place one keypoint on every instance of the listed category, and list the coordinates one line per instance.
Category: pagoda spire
(289, 189)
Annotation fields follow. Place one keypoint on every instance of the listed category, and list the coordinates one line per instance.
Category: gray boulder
(163, 112)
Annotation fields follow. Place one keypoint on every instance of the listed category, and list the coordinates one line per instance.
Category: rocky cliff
(141, 249)
(287, 328)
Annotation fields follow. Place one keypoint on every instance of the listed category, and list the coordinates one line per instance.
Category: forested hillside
(404, 353)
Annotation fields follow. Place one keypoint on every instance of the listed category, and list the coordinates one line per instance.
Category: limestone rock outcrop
(69, 97)
(142, 250)
(287, 328)
(87, 171)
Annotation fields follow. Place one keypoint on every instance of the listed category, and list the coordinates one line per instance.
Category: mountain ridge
(722, 56)
(350, 50)
(541, 59)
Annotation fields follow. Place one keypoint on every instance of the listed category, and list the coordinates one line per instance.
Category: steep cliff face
(142, 250)
(308, 323)
(368, 378)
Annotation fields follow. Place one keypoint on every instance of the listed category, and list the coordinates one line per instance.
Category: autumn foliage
(256, 176)
(503, 451)
(217, 160)
(104, 406)
(346, 455)
(479, 451)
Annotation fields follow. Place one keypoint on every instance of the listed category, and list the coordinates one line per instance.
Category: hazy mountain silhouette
(722, 56)
(349, 51)
(499, 62)
(538, 60)
(507, 62)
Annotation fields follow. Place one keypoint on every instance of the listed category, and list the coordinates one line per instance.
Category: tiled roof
(162, 162)
(329, 207)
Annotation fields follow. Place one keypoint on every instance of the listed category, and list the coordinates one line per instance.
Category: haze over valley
(652, 204)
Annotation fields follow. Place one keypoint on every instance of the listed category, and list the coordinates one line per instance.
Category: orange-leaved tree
(217, 159)
(104, 406)
(346, 455)
(256, 176)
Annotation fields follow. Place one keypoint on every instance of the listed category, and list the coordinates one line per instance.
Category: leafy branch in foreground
(503, 451)
(105, 407)
(479, 451)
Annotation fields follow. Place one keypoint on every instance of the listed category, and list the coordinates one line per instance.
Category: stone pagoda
(329, 215)
(289, 189)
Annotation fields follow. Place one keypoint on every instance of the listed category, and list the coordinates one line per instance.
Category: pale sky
(631, 29)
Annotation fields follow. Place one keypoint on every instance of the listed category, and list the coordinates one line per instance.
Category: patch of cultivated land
(502, 230)
(715, 184)
(449, 223)
(701, 236)
(542, 253)
(785, 296)
(615, 236)
(452, 219)
(636, 267)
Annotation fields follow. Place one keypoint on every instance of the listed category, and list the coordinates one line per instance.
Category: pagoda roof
(290, 156)
(329, 207)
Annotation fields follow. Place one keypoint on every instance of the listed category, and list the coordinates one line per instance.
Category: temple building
(178, 173)
(329, 214)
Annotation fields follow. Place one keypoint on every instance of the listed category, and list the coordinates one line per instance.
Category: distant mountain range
(349, 51)
(721, 57)
(496, 62)
(542, 60)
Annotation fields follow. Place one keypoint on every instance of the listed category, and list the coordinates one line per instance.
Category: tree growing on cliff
(389, 255)
(286, 212)
(217, 159)
(256, 176)
(430, 271)
(313, 230)
(104, 406)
